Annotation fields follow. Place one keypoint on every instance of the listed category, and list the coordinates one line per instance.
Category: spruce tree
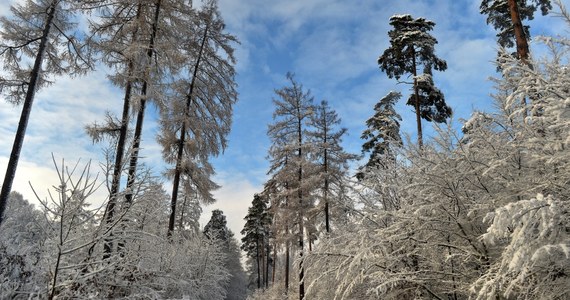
(382, 134)
(256, 232)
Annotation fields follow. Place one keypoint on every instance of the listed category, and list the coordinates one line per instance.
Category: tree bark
(300, 211)
(417, 102)
(520, 36)
(521, 41)
(326, 170)
(287, 268)
(26, 112)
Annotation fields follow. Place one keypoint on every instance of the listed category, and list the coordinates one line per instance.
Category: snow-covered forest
(477, 212)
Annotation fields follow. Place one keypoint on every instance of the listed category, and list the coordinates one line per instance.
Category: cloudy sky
(331, 45)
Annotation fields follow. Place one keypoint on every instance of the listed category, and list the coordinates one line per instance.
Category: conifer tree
(383, 132)
(332, 158)
(197, 118)
(125, 43)
(411, 46)
(42, 31)
(507, 16)
(256, 232)
(292, 114)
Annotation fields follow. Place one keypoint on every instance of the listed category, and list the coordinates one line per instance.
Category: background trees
(256, 234)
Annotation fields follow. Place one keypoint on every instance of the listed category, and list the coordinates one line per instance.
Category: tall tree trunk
(417, 102)
(118, 166)
(140, 120)
(257, 263)
(520, 36)
(140, 115)
(521, 41)
(326, 170)
(26, 112)
(287, 263)
(262, 246)
(274, 263)
(300, 211)
(267, 256)
(179, 157)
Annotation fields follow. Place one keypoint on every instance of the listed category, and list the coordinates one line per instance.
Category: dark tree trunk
(139, 123)
(267, 257)
(417, 102)
(118, 166)
(300, 195)
(26, 112)
(257, 262)
(179, 157)
(326, 169)
(274, 263)
(140, 115)
(287, 268)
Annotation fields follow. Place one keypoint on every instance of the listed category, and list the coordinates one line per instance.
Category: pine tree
(44, 32)
(411, 46)
(382, 134)
(507, 16)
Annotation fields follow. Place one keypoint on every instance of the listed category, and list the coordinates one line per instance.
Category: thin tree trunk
(140, 115)
(287, 268)
(300, 212)
(326, 169)
(267, 255)
(257, 261)
(177, 171)
(118, 166)
(139, 123)
(262, 258)
(417, 102)
(274, 263)
(26, 111)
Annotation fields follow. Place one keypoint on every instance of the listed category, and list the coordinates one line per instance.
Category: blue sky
(331, 45)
